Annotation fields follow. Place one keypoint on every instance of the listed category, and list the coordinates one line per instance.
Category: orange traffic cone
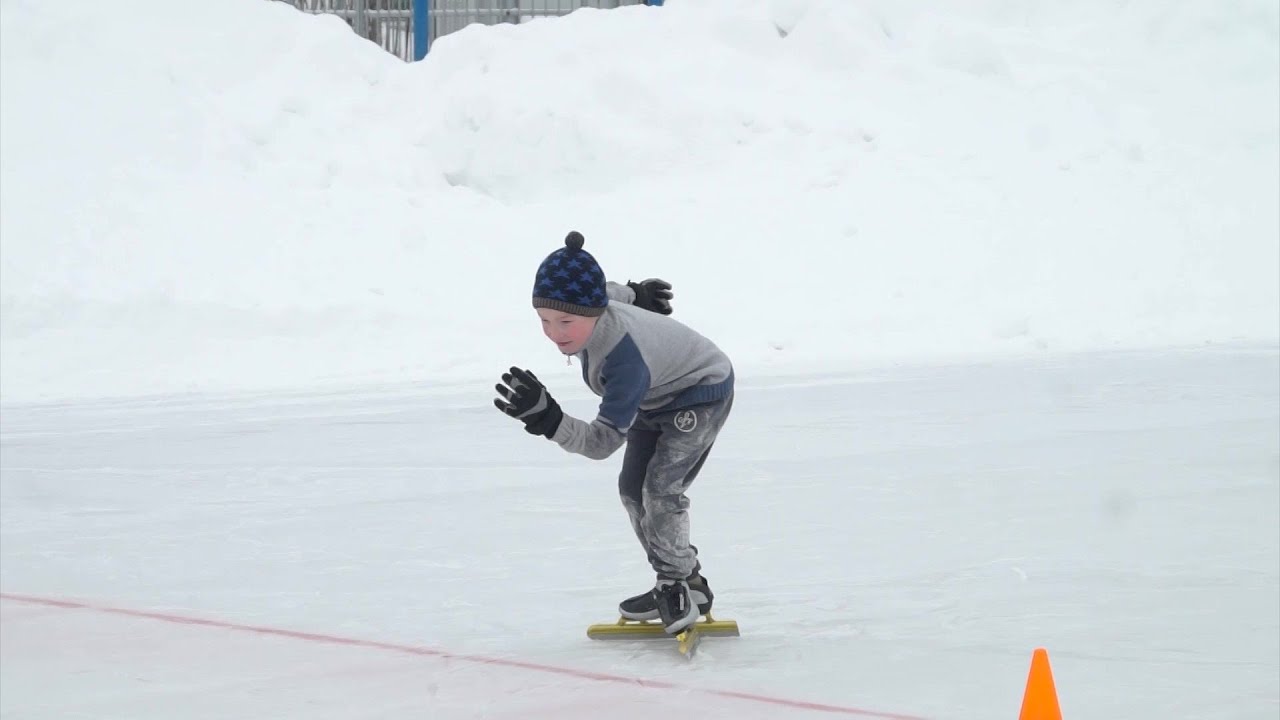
(1040, 701)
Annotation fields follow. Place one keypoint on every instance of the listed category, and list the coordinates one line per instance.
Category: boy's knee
(631, 488)
(633, 505)
(661, 503)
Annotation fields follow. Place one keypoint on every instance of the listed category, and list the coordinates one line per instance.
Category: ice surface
(895, 542)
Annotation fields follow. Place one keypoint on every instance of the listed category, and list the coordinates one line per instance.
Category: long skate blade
(625, 629)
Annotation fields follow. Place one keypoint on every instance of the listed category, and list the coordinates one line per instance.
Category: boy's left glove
(523, 396)
(653, 295)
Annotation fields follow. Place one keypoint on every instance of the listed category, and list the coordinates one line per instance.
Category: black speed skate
(645, 605)
(670, 610)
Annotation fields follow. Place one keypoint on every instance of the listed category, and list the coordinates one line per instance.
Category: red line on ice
(431, 652)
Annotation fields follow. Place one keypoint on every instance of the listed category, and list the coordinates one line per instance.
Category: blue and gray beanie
(571, 281)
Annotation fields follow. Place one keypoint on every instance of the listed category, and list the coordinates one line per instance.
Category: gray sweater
(637, 360)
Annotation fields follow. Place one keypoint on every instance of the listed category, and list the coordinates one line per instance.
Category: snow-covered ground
(1001, 282)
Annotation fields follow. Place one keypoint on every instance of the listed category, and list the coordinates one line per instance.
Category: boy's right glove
(523, 396)
(653, 295)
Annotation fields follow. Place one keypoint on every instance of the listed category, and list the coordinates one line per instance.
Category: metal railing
(406, 28)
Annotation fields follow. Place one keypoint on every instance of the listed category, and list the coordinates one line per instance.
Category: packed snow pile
(235, 196)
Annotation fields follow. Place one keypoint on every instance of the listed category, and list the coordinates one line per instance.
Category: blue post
(421, 28)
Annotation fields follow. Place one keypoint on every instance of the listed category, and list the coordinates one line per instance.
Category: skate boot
(645, 606)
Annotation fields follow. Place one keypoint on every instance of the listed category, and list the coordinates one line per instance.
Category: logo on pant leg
(686, 420)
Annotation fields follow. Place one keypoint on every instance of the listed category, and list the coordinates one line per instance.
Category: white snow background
(207, 196)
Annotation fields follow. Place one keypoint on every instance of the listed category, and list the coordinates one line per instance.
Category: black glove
(522, 396)
(653, 295)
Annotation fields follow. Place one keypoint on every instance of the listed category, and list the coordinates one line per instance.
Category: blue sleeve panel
(625, 377)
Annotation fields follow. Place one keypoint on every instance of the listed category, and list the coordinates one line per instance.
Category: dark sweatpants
(665, 451)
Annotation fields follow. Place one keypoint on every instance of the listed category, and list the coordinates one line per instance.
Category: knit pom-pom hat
(570, 280)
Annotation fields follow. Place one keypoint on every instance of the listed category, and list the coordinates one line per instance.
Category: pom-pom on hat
(570, 280)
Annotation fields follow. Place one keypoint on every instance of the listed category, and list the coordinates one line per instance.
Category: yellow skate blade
(638, 629)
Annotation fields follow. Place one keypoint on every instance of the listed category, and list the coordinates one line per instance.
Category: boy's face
(569, 332)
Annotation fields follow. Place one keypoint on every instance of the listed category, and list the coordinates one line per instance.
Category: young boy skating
(665, 392)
